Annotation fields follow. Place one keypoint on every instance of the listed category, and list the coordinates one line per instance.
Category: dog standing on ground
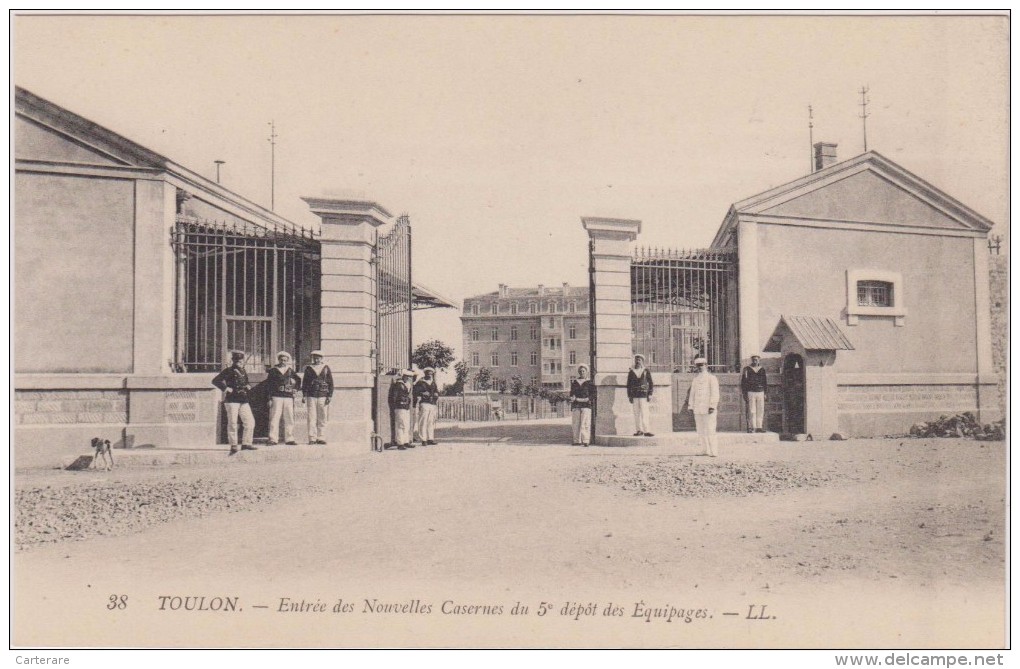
(102, 448)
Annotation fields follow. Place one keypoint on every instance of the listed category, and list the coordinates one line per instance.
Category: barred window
(874, 294)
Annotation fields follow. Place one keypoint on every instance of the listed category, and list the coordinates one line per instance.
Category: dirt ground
(884, 543)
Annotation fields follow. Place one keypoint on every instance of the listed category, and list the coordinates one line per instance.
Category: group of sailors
(315, 384)
(422, 396)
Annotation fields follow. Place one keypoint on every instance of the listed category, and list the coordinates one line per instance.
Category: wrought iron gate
(243, 287)
(684, 305)
(394, 297)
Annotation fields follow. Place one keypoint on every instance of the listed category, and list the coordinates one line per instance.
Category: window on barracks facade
(874, 294)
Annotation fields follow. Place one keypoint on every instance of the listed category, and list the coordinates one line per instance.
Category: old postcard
(510, 331)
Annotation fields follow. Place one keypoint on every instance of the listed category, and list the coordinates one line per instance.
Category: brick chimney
(825, 155)
(503, 290)
(541, 289)
(566, 287)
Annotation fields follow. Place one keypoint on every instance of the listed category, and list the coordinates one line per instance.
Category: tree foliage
(457, 387)
(433, 353)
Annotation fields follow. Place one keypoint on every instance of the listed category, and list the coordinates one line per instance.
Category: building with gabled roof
(897, 266)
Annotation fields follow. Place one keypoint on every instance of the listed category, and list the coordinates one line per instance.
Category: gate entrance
(394, 299)
(684, 306)
(793, 394)
(248, 288)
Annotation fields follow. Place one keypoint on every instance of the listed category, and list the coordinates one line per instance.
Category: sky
(496, 134)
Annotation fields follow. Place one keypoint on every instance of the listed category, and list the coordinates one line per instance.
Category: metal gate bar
(243, 286)
(690, 290)
(394, 299)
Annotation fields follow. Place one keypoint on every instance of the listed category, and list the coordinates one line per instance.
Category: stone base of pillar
(615, 414)
(348, 437)
(989, 402)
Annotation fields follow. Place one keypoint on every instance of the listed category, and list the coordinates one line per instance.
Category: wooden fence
(464, 409)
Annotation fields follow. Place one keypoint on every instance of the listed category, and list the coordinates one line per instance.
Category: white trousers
(705, 422)
(582, 425)
(237, 410)
(427, 414)
(318, 414)
(402, 426)
(755, 410)
(281, 407)
(642, 422)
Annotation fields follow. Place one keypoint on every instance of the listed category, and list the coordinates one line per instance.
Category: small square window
(874, 294)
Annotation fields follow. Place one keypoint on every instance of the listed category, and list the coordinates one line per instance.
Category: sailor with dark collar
(639, 391)
(426, 400)
(317, 393)
(400, 406)
(283, 383)
(581, 394)
(233, 381)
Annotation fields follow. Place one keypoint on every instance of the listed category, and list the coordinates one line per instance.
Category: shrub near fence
(464, 409)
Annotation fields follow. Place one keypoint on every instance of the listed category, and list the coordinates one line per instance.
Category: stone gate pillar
(348, 315)
(612, 239)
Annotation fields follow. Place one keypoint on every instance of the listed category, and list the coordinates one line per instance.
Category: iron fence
(243, 287)
(394, 299)
(684, 306)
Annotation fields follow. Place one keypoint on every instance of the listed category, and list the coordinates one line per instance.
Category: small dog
(102, 448)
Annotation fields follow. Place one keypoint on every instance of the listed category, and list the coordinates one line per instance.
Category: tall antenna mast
(811, 138)
(272, 165)
(864, 114)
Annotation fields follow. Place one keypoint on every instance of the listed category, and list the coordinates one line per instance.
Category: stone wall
(732, 412)
(998, 269)
(64, 407)
(938, 399)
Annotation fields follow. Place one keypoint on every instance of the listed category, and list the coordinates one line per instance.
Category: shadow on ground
(508, 432)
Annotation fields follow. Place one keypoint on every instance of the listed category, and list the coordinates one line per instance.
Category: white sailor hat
(638, 355)
(584, 367)
(281, 354)
(429, 369)
(318, 353)
(700, 361)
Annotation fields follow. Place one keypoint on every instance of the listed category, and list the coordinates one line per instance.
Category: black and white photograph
(511, 331)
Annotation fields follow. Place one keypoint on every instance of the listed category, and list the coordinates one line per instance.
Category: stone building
(540, 334)
(135, 276)
(865, 287)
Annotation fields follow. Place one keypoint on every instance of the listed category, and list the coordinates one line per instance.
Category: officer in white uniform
(703, 400)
